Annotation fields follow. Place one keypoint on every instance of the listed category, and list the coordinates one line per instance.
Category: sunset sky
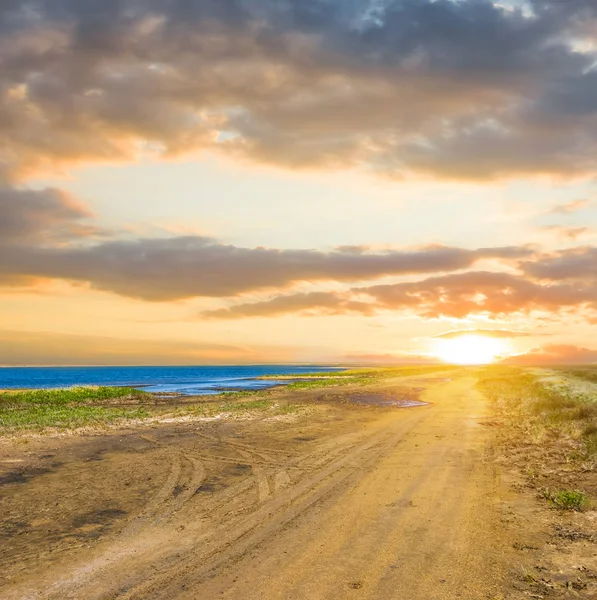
(249, 181)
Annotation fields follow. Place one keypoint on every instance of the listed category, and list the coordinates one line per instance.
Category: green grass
(352, 377)
(68, 408)
(586, 373)
(366, 372)
(566, 499)
(73, 408)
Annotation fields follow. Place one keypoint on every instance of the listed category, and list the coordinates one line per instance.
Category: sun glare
(470, 349)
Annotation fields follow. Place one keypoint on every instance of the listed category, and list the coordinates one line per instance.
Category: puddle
(102, 518)
(383, 400)
(22, 476)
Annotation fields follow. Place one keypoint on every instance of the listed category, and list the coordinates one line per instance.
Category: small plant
(566, 499)
(527, 576)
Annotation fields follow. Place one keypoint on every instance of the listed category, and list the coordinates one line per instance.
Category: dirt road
(346, 502)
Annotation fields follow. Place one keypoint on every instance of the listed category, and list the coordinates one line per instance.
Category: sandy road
(404, 506)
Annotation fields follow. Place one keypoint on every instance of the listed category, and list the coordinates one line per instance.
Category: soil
(343, 499)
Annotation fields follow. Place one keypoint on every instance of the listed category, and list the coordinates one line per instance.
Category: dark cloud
(555, 354)
(42, 237)
(460, 89)
(34, 214)
(184, 267)
(47, 235)
(575, 263)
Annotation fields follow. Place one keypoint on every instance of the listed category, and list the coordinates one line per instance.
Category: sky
(256, 181)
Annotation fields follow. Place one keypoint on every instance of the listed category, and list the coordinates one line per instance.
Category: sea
(180, 380)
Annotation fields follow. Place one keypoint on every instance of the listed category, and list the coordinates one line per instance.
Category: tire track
(227, 544)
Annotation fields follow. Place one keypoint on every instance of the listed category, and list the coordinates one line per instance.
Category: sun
(470, 349)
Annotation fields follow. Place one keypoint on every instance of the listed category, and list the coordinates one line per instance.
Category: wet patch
(178, 489)
(210, 486)
(409, 401)
(10, 528)
(22, 476)
(206, 488)
(96, 456)
(241, 468)
(93, 524)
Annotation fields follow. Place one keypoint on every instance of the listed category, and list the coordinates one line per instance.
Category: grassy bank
(96, 407)
(544, 410)
(588, 373)
(69, 408)
(545, 432)
(550, 424)
(364, 376)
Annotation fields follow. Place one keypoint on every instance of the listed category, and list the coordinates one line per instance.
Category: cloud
(37, 214)
(310, 304)
(569, 233)
(569, 207)
(457, 295)
(495, 333)
(44, 237)
(463, 294)
(575, 263)
(555, 354)
(48, 235)
(464, 89)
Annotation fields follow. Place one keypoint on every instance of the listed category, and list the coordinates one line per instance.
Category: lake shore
(300, 491)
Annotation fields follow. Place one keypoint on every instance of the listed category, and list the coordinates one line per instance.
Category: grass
(543, 408)
(352, 377)
(555, 423)
(586, 373)
(77, 407)
(87, 406)
(68, 408)
(566, 499)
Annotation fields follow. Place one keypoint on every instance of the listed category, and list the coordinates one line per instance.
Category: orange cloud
(495, 333)
(311, 304)
(456, 295)
(555, 354)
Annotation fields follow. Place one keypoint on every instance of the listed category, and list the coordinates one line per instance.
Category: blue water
(182, 380)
